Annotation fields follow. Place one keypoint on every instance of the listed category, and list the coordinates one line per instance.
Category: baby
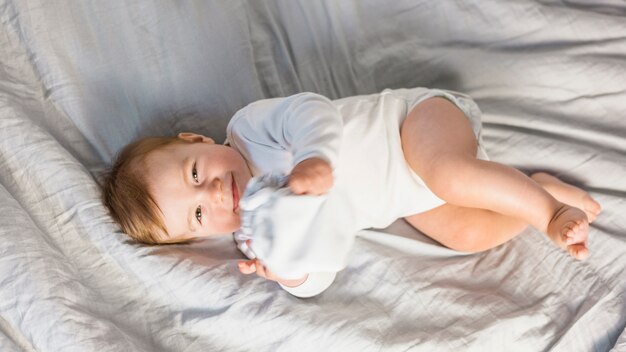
(407, 153)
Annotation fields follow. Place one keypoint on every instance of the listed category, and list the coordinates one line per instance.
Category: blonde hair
(125, 192)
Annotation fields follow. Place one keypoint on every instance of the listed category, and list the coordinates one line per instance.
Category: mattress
(79, 80)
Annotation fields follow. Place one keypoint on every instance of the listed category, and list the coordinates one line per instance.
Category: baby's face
(197, 186)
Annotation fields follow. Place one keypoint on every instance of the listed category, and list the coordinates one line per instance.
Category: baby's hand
(255, 266)
(311, 176)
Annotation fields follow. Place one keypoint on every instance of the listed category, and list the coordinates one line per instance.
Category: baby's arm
(287, 131)
(310, 285)
(312, 176)
(304, 131)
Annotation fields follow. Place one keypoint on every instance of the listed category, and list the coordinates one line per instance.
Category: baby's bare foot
(569, 229)
(568, 194)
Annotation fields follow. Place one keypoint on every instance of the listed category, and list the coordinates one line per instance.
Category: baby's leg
(440, 147)
(467, 229)
(475, 230)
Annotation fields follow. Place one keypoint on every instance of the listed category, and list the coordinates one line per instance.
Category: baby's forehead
(159, 162)
(166, 153)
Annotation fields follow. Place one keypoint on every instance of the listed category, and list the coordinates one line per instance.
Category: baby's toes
(567, 235)
(575, 232)
(578, 251)
(569, 231)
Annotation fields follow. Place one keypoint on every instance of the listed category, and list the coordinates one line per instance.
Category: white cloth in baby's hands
(296, 234)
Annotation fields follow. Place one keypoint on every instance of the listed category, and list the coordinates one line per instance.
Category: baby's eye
(194, 172)
(199, 214)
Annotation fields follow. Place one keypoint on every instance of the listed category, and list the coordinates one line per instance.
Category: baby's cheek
(236, 223)
(227, 222)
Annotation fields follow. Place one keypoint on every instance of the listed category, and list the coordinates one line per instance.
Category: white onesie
(360, 137)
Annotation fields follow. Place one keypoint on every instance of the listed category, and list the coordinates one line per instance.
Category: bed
(78, 80)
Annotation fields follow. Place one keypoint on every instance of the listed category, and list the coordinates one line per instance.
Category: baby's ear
(194, 137)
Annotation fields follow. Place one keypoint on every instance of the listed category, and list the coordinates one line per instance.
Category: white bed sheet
(80, 79)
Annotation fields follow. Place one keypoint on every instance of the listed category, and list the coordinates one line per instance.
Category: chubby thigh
(436, 130)
(433, 129)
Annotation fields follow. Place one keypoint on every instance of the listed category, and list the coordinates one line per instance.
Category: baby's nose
(216, 191)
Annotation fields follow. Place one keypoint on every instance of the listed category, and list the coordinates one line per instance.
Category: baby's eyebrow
(187, 164)
(186, 169)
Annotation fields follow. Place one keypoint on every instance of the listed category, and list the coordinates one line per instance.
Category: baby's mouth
(235, 194)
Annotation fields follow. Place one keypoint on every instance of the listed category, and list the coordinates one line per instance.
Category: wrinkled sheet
(78, 80)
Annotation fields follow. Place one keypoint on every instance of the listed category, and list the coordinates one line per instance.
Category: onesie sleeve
(315, 283)
(305, 125)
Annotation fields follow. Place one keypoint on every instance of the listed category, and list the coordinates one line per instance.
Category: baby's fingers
(247, 266)
(299, 184)
(254, 266)
(312, 176)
